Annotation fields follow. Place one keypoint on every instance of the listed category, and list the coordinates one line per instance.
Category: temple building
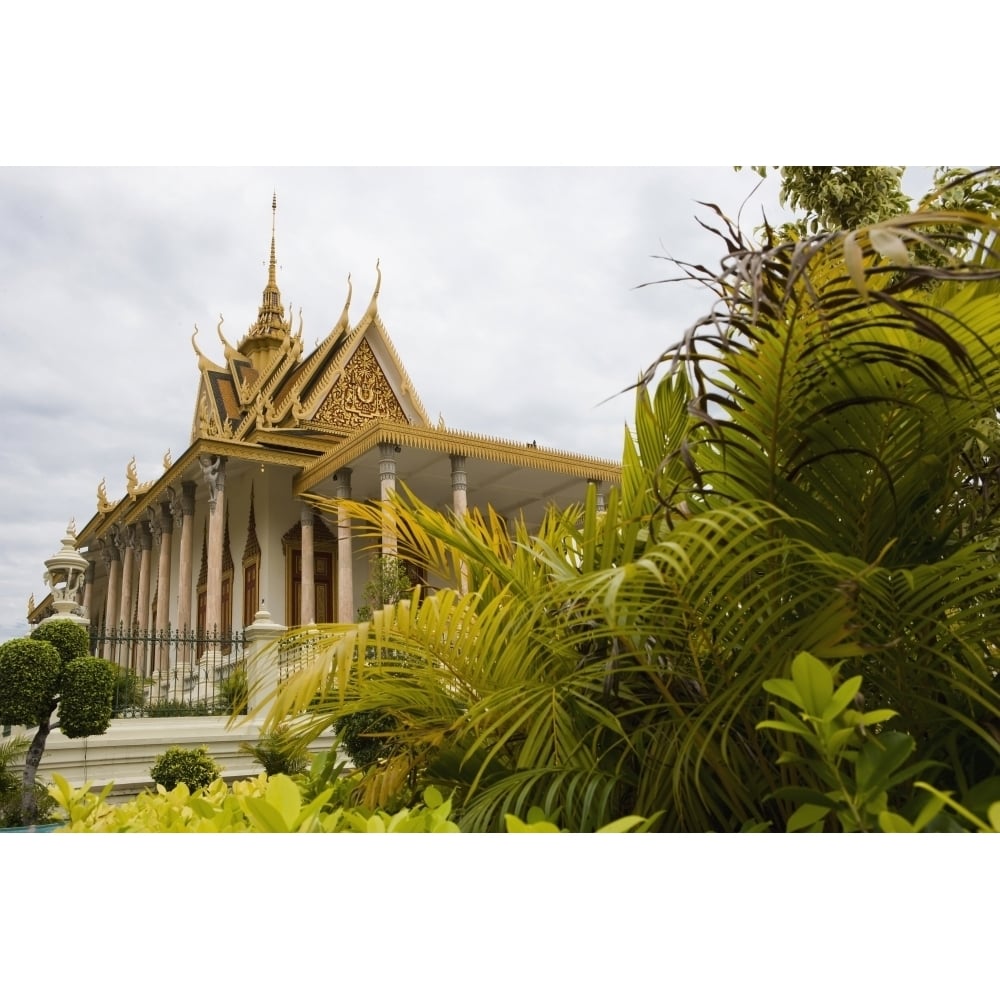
(226, 529)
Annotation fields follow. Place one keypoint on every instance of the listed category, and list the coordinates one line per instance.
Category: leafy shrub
(29, 681)
(11, 789)
(234, 692)
(357, 736)
(86, 699)
(49, 670)
(276, 754)
(70, 639)
(178, 709)
(263, 804)
(129, 691)
(194, 767)
(858, 770)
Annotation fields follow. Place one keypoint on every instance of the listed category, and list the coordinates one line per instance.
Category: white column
(214, 470)
(88, 589)
(307, 588)
(127, 542)
(387, 476)
(113, 562)
(185, 569)
(162, 623)
(460, 506)
(345, 551)
(144, 541)
(262, 659)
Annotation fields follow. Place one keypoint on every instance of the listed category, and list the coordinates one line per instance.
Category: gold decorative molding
(455, 442)
(205, 364)
(104, 505)
(133, 487)
(228, 349)
(362, 394)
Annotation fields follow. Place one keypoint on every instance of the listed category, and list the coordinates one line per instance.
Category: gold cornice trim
(294, 403)
(455, 442)
(205, 364)
(405, 383)
(184, 468)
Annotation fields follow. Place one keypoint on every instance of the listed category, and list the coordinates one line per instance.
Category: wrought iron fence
(295, 651)
(173, 673)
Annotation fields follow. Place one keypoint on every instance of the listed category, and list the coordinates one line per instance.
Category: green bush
(51, 670)
(194, 767)
(276, 754)
(234, 692)
(129, 691)
(357, 734)
(85, 702)
(70, 639)
(29, 681)
(261, 805)
(11, 790)
(179, 708)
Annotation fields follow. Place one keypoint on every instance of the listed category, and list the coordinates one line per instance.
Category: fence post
(262, 656)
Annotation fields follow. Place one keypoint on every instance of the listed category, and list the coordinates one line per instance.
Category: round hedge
(69, 638)
(29, 681)
(194, 767)
(85, 700)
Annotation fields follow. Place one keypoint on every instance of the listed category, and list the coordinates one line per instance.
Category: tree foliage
(48, 672)
(192, 766)
(833, 198)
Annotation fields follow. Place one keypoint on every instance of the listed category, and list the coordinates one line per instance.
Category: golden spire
(266, 336)
(271, 270)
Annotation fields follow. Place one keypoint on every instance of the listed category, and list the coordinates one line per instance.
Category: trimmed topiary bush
(49, 671)
(193, 767)
(29, 681)
(69, 638)
(85, 704)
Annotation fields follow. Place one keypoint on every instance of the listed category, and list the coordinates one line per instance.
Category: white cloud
(509, 294)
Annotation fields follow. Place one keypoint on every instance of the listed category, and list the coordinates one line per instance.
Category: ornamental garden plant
(50, 681)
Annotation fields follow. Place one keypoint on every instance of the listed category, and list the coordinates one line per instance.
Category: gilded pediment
(361, 394)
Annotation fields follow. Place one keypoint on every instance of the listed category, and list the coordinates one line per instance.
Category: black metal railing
(173, 673)
(295, 651)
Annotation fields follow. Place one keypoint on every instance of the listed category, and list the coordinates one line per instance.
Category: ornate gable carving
(362, 394)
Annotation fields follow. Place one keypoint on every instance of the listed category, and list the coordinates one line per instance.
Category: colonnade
(127, 550)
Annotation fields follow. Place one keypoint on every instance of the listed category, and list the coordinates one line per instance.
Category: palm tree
(816, 470)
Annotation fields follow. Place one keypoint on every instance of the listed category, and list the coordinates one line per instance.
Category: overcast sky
(509, 293)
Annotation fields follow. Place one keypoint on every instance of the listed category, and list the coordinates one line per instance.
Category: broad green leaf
(993, 815)
(784, 688)
(515, 825)
(806, 815)
(264, 816)
(624, 824)
(842, 697)
(814, 681)
(890, 822)
(284, 796)
(878, 758)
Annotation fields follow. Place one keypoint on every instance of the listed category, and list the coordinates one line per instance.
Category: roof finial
(274, 216)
